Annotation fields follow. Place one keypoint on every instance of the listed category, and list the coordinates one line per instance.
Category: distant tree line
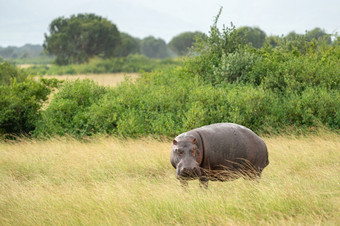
(26, 51)
(81, 37)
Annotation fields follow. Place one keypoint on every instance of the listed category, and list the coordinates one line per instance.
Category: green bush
(314, 107)
(20, 104)
(269, 90)
(209, 52)
(279, 71)
(68, 111)
(9, 72)
(158, 104)
(236, 67)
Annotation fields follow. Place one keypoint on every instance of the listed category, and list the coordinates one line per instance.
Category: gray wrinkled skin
(222, 151)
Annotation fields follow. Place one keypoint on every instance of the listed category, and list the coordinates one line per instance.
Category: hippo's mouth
(189, 175)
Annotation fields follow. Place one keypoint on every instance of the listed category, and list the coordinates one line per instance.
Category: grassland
(108, 181)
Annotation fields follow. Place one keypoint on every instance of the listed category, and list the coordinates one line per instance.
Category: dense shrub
(284, 71)
(154, 107)
(236, 67)
(209, 52)
(68, 111)
(269, 90)
(20, 100)
(9, 72)
(312, 108)
(20, 103)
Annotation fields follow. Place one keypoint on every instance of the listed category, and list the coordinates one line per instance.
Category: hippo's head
(186, 157)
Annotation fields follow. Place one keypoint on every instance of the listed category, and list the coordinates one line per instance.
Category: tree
(78, 38)
(128, 45)
(181, 43)
(154, 48)
(317, 34)
(253, 35)
(273, 40)
(292, 36)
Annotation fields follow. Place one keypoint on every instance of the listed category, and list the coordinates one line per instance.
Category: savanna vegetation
(91, 171)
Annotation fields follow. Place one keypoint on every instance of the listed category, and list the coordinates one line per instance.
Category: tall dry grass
(107, 181)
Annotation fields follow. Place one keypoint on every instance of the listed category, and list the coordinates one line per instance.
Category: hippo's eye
(193, 152)
(179, 152)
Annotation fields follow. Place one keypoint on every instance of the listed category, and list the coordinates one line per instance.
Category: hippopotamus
(221, 151)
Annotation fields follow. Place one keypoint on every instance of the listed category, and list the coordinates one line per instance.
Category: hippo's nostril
(197, 171)
(190, 172)
(185, 171)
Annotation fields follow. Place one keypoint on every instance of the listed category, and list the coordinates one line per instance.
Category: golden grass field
(110, 79)
(111, 181)
(23, 66)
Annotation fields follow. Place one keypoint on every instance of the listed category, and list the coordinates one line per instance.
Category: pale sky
(26, 21)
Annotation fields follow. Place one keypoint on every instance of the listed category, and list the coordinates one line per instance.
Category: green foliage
(78, 38)
(291, 36)
(182, 43)
(236, 67)
(283, 70)
(209, 51)
(158, 104)
(9, 72)
(128, 45)
(154, 48)
(20, 103)
(68, 111)
(20, 100)
(312, 108)
(153, 107)
(252, 35)
(318, 34)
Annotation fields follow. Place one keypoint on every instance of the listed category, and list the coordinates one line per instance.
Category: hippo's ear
(174, 142)
(194, 141)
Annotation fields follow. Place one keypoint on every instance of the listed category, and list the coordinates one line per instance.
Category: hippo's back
(225, 144)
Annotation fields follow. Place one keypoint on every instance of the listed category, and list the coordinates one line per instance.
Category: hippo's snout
(195, 172)
(188, 171)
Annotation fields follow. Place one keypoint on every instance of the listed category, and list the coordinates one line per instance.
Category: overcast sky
(26, 21)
